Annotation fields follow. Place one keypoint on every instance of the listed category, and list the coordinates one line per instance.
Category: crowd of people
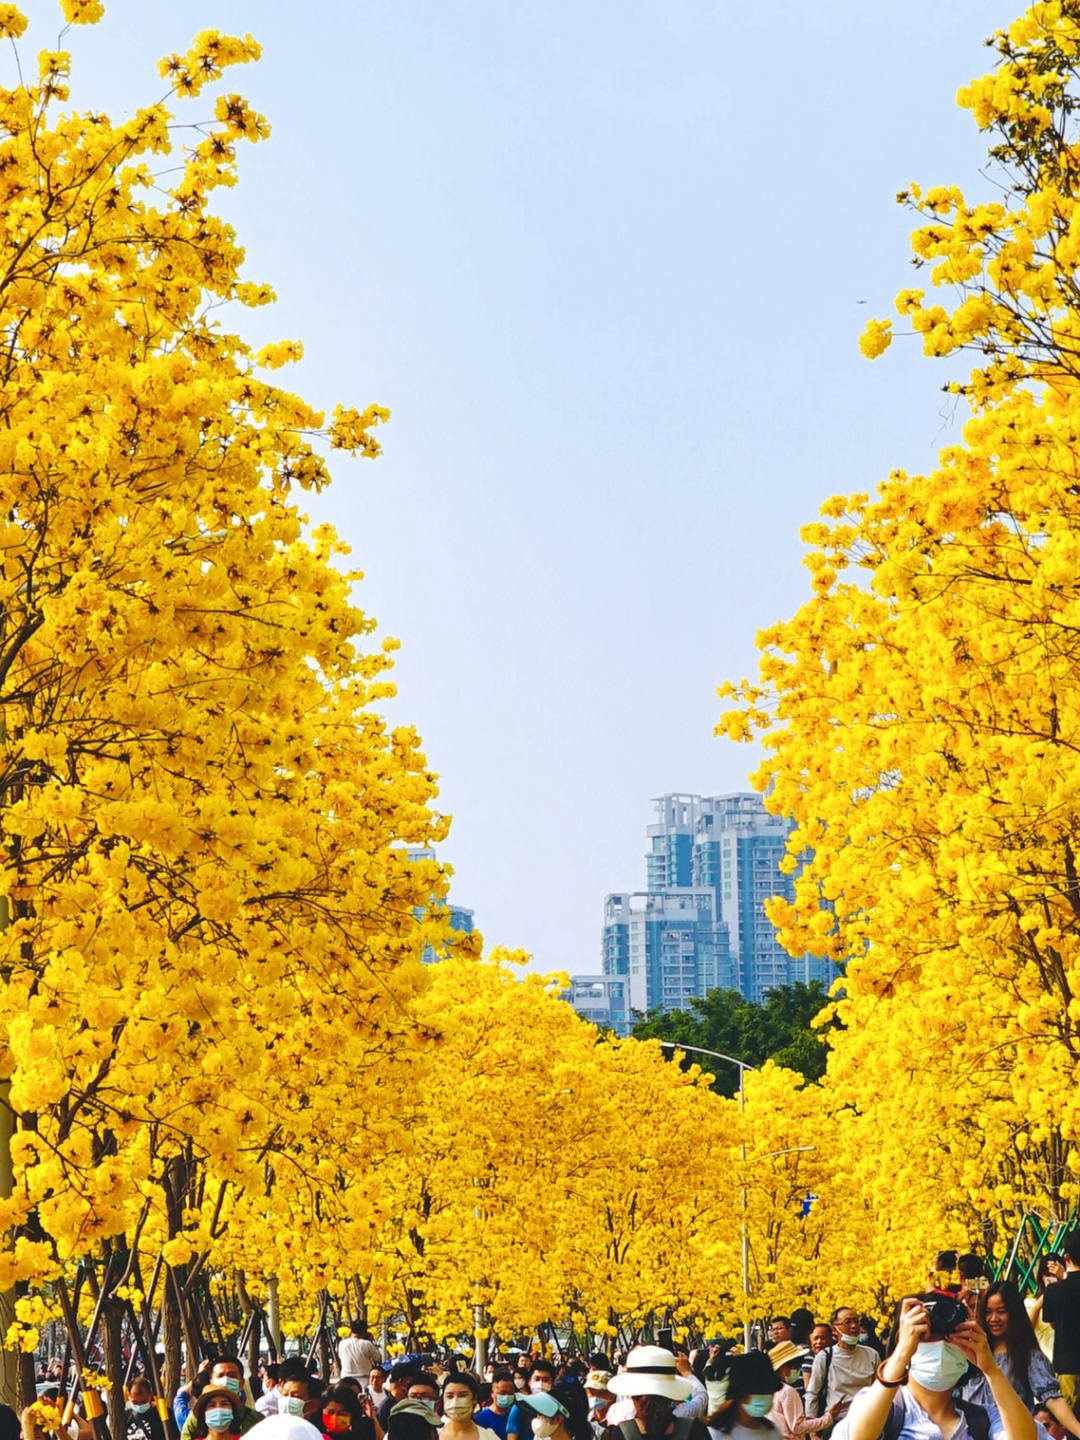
(967, 1359)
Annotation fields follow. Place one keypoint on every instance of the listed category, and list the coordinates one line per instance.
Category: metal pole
(479, 1315)
(745, 1239)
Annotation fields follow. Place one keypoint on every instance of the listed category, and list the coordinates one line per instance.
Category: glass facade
(711, 864)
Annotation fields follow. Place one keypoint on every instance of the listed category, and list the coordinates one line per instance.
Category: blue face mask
(758, 1405)
(937, 1365)
(219, 1418)
(504, 1401)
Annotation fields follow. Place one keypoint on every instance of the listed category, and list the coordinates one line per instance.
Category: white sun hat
(650, 1370)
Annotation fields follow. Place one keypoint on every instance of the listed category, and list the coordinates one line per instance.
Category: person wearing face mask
(460, 1397)
(843, 1369)
(503, 1394)
(911, 1397)
(341, 1416)
(651, 1382)
(1002, 1315)
(226, 1373)
(752, 1385)
(143, 1420)
(787, 1414)
(266, 1404)
(541, 1377)
(547, 1417)
(425, 1386)
(216, 1414)
(299, 1391)
(600, 1397)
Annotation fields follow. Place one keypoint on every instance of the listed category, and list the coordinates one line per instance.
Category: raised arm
(870, 1408)
(1015, 1416)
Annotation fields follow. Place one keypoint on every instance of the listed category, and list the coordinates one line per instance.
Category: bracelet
(889, 1384)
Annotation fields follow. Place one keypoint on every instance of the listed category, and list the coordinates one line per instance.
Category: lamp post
(772, 1155)
(745, 1240)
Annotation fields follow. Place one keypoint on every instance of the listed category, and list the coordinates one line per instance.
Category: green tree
(780, 1030)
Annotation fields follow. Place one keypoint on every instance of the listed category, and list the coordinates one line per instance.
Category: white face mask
(459, 1407)
(538, 1383)
(937, 1365)
(290, 1405)
(544, 1425)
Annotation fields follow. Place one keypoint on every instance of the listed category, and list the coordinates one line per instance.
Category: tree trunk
(113, 1327)
(172, 1377)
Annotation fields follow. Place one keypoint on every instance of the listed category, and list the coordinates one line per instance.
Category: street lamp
(745, 1245)
(772, 1155)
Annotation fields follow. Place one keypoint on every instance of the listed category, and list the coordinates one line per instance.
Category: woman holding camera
(911, 1397)
(1012, 1339)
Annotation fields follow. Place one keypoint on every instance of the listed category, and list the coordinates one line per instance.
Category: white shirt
(356, 1357)
(696, 1405)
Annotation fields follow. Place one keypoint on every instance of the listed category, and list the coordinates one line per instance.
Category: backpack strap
(894, 1421)
(978, 1422)
(684, 1427)
(630, 1430)
(827, 1352)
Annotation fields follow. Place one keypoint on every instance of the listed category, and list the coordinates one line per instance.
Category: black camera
(945, 1315)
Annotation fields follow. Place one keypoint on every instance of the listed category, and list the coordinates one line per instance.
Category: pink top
(789, 1417)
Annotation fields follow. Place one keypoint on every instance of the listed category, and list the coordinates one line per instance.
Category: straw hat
(650, 1370)
(783, 1354)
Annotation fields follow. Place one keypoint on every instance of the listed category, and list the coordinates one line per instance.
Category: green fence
(1034, 1238)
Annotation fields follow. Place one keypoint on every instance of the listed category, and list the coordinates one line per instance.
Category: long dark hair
(748, 1374)
(349, 1401)
(1020, 1341)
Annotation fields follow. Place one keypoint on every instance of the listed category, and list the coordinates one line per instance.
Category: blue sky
(605, 264)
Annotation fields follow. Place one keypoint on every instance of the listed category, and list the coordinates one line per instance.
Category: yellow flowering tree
(920, 715)
(212, 937)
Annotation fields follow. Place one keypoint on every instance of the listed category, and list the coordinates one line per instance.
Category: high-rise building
(711, 865)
